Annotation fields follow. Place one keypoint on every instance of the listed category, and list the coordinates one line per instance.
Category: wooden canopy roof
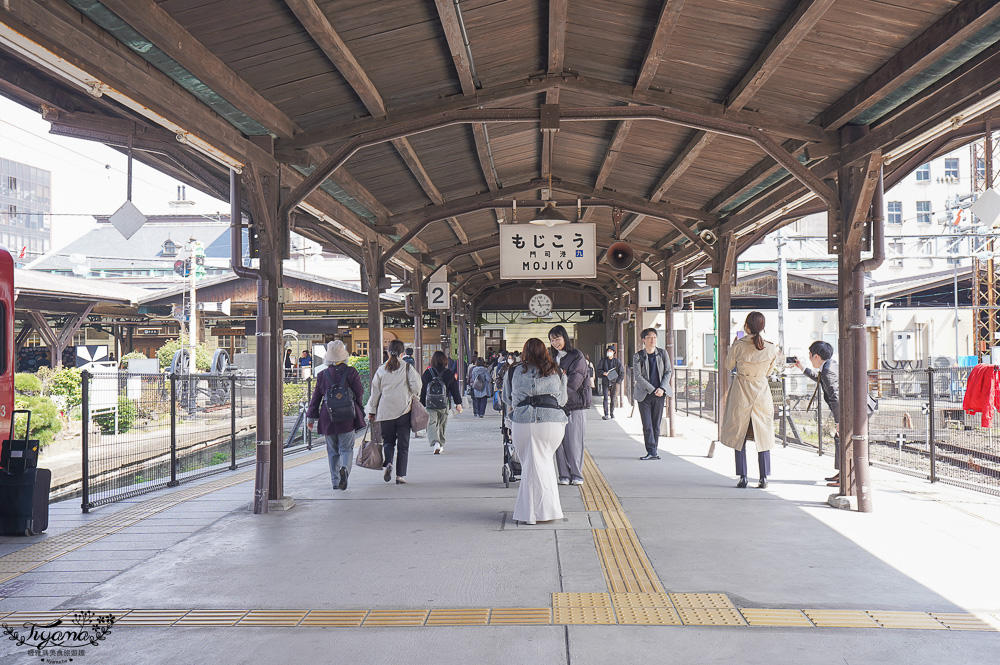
(686, 114)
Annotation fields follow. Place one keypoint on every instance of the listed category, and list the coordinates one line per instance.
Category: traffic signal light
(179, 267)
(253, 239)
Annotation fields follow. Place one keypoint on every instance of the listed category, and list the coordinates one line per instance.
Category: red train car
(6, 340)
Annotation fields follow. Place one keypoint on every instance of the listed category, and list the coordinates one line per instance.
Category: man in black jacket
(569, 456)
(821, 357)
(609, 364)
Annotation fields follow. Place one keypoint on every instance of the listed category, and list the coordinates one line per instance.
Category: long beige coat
(749, 399)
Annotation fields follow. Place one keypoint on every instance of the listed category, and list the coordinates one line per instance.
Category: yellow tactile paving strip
(635, 597)
(612, 609)
(626, 567)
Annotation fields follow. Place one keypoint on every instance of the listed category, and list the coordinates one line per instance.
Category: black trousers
(651, 412)
(610, 391)
(396, 440)
(763, 462)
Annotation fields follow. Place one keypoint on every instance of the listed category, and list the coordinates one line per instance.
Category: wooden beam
(60, 30)
(557, 35)
(669, 14)
(781, 45)
(448, 15)
(751, 178)
(857, 215)
(681, 163)
(654, 55)
(319, 28)
(612, 153)
(796, 27)
(481, 138)
(952, 29)
(159, 27)
(409, 155)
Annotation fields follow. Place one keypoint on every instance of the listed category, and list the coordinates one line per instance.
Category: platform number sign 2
(649, 293)
(439, 295)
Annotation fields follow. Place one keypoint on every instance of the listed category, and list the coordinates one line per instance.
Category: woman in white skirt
(535, 392)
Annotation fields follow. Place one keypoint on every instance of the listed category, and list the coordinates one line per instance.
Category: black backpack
(437, 392)
(339, 399)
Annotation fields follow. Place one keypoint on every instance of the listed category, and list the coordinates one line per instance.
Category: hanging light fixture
(691, 285)
(405, 288)
(549, 216)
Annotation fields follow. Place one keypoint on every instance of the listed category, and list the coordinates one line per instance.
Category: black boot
(763, 483)
(743, 482)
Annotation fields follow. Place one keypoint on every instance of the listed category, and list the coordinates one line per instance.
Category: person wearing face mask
(749, 410)
(569, 456)
(610, 373)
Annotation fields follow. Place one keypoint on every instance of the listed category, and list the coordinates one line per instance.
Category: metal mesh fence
(145, 432)
(918, 427)
(696, 392)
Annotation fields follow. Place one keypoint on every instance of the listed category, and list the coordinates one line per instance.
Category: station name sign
(548, 252)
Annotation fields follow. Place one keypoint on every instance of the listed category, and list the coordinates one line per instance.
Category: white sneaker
(437, 448)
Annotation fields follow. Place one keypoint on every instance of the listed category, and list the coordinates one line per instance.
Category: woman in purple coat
(339, 435)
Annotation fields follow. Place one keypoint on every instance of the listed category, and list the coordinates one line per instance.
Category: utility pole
(782, 291)
(192, 303)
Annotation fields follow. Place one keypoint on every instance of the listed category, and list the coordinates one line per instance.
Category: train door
(6, 340)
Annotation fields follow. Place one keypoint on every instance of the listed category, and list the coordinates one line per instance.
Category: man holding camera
(821, 357)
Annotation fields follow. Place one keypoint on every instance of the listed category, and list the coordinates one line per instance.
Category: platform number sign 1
(649, 293)
(439, 295)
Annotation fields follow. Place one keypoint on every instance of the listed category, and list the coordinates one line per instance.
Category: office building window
(924, 212)
(895, 212)
(951, 168)
(924, 173)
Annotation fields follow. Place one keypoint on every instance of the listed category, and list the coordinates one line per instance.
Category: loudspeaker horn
(708, 236)
(620, 255)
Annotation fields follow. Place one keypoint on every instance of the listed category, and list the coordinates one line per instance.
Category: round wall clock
(540, 305)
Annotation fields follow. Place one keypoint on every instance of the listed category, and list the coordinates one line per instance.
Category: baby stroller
(511, 471)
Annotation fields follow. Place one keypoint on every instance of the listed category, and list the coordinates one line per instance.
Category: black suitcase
(24, 502)
(16, 455)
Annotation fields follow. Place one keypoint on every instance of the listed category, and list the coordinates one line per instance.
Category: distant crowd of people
(544, 392)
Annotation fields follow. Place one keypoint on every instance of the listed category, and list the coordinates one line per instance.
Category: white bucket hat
(336, 352)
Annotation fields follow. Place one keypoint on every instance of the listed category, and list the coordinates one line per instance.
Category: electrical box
(904, 346)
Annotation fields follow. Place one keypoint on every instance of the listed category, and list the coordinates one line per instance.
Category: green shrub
(128, 413)
(362, 364)
(27, 384)
(65, 382)
(129, 356)
(292, 396)
(45, 423)
(165, 354)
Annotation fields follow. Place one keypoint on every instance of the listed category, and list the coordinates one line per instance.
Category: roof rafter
(315, 22)
(948, 32)
(781, 45)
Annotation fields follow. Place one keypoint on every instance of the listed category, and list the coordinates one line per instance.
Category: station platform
(656, 561)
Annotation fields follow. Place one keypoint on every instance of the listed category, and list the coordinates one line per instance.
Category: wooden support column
(262, 193)
(669, 294)
(725, 269)
(22, 336)
(373, 275)
(418, 320)
(57, 342)
(464, 354)
(856, 189)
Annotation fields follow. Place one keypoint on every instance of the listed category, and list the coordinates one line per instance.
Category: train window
(3, 338)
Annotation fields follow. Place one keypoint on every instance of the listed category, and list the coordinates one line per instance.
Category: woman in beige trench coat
(749, 411)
